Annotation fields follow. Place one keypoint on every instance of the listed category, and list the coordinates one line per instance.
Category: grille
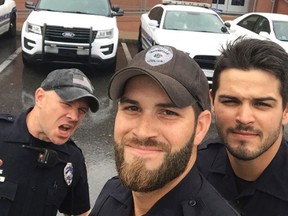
(206, 62)
(80, 35)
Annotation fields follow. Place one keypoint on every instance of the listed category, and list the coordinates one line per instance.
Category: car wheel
(26, 63)
(12, 27)
(113, 65)
(139, 41)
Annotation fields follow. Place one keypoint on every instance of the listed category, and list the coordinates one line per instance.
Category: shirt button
(34, 188)
(192, 203)
(237, 201)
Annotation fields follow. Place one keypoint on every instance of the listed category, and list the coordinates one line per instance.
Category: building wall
(276, 6)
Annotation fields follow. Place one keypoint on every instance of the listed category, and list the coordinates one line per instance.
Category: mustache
(244, 128)
(146, 142)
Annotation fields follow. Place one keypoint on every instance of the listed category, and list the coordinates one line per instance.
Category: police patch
(68, 173)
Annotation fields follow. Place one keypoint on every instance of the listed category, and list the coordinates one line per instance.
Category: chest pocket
(56, 196)
(7, 196)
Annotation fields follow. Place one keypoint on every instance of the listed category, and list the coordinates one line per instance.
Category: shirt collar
(19, 134)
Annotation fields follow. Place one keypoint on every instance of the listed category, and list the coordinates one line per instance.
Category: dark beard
(137, 178)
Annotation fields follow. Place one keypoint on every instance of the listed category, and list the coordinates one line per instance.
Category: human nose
(245, 114)
(146, 127)
(73, 114)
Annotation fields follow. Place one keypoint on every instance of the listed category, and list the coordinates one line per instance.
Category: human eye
(130, 108)
(169, 113)
(229, 101)
(262, 104)
(83, 111)
(66, 104)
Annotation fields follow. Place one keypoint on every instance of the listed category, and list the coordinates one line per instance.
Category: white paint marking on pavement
(126, 51)
(10, 59)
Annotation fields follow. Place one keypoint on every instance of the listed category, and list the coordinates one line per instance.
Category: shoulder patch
(7, 117)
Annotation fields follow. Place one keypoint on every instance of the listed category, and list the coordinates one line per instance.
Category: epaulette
(7, 117)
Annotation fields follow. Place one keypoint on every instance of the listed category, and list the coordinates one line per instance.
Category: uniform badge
(68, 173)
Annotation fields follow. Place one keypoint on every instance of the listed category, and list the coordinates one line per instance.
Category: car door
(149, 23)
(246, 27)
(4, 17)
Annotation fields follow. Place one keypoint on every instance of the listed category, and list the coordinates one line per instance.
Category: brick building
(227, 6)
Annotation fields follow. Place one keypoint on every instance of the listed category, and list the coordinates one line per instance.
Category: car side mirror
(224, 29)
(117, 11)
(153, 24)
(29, 5)
(227, 24)
(264, 34)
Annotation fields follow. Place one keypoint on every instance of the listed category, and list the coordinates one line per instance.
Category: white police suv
(71, 31)
(8, 17)
(192, 27)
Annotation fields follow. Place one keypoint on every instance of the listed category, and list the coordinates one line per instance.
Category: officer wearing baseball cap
(43, 170)
(163, 115)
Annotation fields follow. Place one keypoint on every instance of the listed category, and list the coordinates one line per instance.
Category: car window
(262, 24)
(99, 7)
(156, 14)
(281, 30)
(249, 22)
(192, 21)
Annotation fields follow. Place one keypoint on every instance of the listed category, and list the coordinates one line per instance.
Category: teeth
(65, 127)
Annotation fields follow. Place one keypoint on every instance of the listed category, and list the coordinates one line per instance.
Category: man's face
(58, 120)
(249, 113)
(153, 138)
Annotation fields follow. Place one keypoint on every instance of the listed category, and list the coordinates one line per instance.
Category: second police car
(71, 31)
(188, 26)
(8, 17)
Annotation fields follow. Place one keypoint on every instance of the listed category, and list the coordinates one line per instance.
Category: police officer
(163, 115)
(248, 163)
(43, 170)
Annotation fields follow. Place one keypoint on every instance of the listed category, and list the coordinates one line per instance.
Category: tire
(12, 26)
(26, 63)
(139, 41)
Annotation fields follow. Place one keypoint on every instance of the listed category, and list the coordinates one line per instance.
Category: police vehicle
(71, 31)
(8, 17)
(192, 27)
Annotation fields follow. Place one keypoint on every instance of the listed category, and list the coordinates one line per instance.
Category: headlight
(104, 34)
(34, 29)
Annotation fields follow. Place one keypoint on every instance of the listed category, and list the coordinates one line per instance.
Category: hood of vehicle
(195, 43)
(71, 20)
(284, 44)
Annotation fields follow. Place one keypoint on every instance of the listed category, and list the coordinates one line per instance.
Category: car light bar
(199, 4)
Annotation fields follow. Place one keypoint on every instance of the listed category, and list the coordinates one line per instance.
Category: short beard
(241, 152)
(137, 178)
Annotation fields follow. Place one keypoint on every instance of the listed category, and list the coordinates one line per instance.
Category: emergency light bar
(199, 4)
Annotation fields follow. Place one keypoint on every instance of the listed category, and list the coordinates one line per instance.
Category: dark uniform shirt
(193, 196)
(29, 186)
(267, 196)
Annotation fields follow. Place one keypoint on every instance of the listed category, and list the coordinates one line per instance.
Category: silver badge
(68, 173)
(158, 55)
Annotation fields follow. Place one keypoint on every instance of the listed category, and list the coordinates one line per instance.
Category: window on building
(218, 1)
(238, 2)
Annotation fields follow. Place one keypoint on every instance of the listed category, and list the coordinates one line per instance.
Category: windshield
(192, 21)
(281, 30)
(95, 7)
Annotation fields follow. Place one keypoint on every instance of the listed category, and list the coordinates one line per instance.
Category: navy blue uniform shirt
(31, 188)
(267, 196)
(193, 196)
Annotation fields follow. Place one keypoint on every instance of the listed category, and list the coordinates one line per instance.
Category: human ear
(285, 115)
(203, 124)
(39, 96)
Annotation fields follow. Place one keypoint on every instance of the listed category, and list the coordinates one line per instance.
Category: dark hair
(246, 54)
